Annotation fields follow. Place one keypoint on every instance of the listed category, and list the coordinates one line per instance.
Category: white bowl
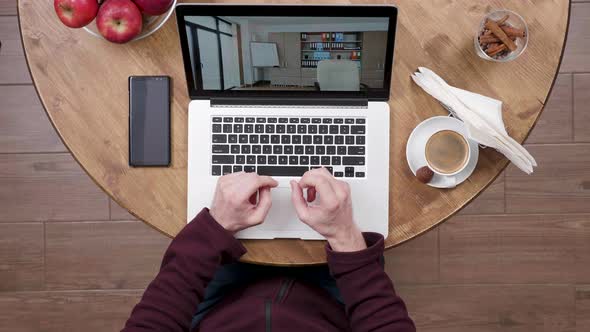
(151, 24)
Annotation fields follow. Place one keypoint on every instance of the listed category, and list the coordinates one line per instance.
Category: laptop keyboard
(288, 146)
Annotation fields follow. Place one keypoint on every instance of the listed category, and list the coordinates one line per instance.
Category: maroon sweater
(190, 262)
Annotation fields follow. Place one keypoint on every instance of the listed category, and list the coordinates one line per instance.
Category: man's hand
(332, 217)
(234, 205)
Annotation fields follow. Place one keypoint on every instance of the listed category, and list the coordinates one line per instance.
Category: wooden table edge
(387, 245)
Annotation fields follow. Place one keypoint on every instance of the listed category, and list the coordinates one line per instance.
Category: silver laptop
(279, 90)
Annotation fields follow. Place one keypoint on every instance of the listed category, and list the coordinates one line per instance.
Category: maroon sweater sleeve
(170, 301)
(369, 296)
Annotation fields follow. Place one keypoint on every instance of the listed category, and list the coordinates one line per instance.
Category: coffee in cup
(447, 152)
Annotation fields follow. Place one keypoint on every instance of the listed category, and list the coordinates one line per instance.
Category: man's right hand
(332, 217)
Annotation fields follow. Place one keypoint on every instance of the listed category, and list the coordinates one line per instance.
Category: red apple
(76, 13)
(119, 21)
(153, 7)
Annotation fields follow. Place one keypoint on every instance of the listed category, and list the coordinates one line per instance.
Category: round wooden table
(82, 82)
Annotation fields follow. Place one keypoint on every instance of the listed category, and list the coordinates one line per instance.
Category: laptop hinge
(291, 102)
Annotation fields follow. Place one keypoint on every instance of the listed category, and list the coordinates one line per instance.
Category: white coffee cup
(447, 152)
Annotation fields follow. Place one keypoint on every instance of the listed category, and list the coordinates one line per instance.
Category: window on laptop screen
(264, 53)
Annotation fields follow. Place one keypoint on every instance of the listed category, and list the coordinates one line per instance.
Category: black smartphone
(149, 120)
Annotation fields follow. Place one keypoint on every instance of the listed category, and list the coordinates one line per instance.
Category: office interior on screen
(287, 53)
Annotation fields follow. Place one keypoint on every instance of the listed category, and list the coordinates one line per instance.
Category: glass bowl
(515, 21)
(151, 24)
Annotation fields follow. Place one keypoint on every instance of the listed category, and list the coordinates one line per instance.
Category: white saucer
(417, 142)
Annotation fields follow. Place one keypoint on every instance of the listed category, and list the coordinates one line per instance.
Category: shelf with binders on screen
(314, 63)
(318, 46)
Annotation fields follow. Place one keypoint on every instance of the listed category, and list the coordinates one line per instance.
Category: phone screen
(149, 121)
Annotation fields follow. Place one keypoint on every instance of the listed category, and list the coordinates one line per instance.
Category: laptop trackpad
(282, 215)
(281, 221)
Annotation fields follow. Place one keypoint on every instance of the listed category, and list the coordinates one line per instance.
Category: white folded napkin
(482, 117)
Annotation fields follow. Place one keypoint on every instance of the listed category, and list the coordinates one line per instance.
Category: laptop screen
(287, 55)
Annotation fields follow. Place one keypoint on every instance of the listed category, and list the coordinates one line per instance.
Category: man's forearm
(190, 262)
(368, 293)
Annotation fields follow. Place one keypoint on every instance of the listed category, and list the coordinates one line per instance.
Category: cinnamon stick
(491, 46)
(497, 50)
(494, 48)
(512, 32)
(491, 39)
(488, 39)
(502, 20)
(496, 30)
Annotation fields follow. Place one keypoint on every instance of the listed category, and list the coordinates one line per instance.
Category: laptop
(282, 89)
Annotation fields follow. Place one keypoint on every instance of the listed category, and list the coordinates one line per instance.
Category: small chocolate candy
(424, 174)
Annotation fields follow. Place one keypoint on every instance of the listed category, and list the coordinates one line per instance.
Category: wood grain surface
(67, 311)
(82, 82)
(50, 186)
(515, 249)
(583, 308)
(575, 57)
(7, 7)
(21, 254)
(24, 125)
(115, 255)
(564, 186)
(493, 308)
(582, 108)
(416, 262)
(555, 124)
(13, 67)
